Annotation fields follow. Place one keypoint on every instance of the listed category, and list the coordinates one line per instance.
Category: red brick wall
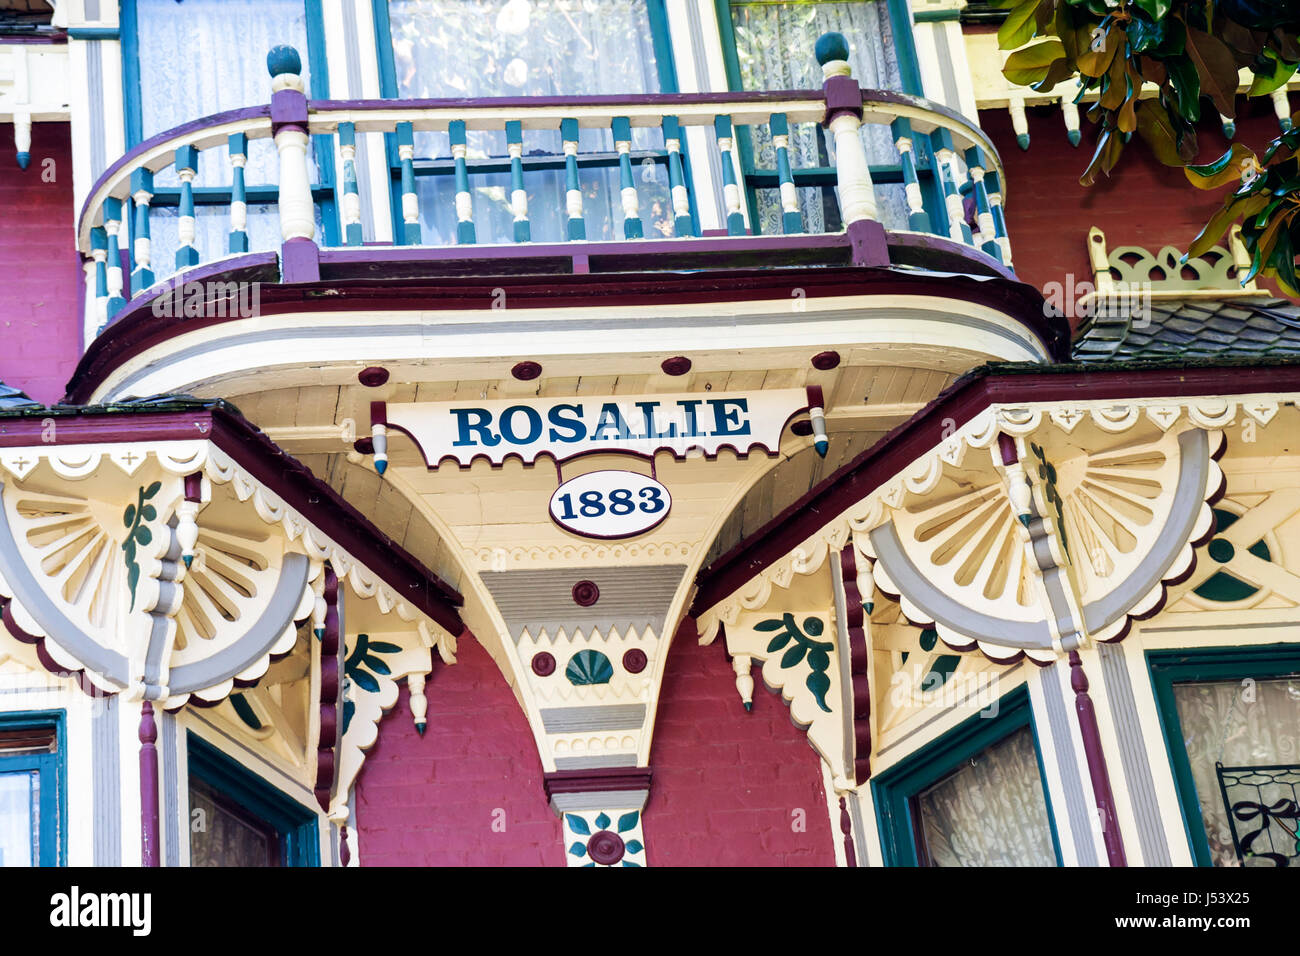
(40, 322)
(1142, 203)
(727, 783)
(430, 801)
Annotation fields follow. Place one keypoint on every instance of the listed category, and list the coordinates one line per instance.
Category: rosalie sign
(567, 427)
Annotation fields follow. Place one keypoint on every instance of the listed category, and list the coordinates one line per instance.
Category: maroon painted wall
(40, 321)
(430, 801)
(1142, 203)
(726, 783)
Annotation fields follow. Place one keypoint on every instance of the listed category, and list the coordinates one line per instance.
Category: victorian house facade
(623, 433)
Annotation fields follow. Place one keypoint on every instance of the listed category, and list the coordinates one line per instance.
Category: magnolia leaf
(1224, 170)
(1155, 9)
(1265, 82)
(1216, 68)
(1096, 53)
(1018, 28)
(1282, 265)
(1109, 146)
(1157, 132)
(1187, 85)
(1032, 64)
(1214, 229)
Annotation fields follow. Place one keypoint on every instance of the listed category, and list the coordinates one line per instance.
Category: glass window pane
(20, 818)
(990, 812)
(222, 834)
(205, 56)
(1251, 731)
(521, 47)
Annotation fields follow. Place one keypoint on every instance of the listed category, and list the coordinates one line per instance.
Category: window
(769, 46)
(185, 59)
(433, 49)
(975, 797)
(238, 819)
(33, 805)
(1231, 719)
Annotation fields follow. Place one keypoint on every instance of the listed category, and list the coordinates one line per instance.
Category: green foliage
(137, 533)
(358, 667)
(817, 652)
(1189, 50)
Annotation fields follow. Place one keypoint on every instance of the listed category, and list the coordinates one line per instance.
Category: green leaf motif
(578, 848)
(365, 681)
(148, 513)
(634, 846)
(376, 664)
(129, 517)
(577, 824)
(793, 656)
(778, 642)
(602, 821)
(153, 489)
(819, 684)
(143, 535)
(628, 822)
(770, 625)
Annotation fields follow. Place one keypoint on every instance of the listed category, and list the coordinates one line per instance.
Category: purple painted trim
(150, 850)
(283, 474)
(939, 252)
(526, 371)
(288, 111)
(825, 361)
(868, 242)
(137, 328)
(543, 664)
(176, 133)
(48, 39)
(677, 365)
(846, 828)
(843, 96)
(373, 377)
(345, 853)
(331, 685)
(602, 780)
(299, 261)
(859, 663)
(960, 403)
(635, 660)
(1096, 762)
(194, 486)
(585, 593)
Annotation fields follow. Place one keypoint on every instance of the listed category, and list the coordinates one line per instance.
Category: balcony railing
(114, 230)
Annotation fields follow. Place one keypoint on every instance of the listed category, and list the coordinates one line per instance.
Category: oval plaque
(610, 504)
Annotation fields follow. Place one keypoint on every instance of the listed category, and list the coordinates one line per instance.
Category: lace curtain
(1238, 724)
(19, 818)
(199, 57)
(774, 47)
(529, 48)
(991, 812)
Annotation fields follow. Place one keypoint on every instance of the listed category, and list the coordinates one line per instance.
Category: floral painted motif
(596, 844)
(817, 652)
(363, 656)
(137, 532)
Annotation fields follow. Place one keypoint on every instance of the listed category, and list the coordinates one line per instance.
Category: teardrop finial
(831, 46)
(283, 59)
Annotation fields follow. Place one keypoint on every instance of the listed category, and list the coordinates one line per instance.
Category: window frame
(323, 191)
(824, 176)
(1199, 665)
(894, 791)
(665, 65)
(53, 770)
(296, 825)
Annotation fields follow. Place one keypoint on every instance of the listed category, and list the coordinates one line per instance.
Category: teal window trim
(1206, 664)
(53, 770)
(297, 826)
(661, 41)
(894, 790)
(322, 191)
(910, 75)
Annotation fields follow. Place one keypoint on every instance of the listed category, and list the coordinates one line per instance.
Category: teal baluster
(791, 221)
(141, 196)
(918, 220)
(946, 156)
(632, 227)
(572, 188)
(238, 143)
(518, 195)
(464, 201)
(187, 164)
(410, 202)
(113, 229)
(975, 163)
(683, 225)
(99, 252)
(730, 188)
(994, 188)
(351, 196)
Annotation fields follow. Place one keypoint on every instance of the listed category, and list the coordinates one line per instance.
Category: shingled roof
(1194, 329)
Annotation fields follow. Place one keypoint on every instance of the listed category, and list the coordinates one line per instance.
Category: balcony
(267, 220)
